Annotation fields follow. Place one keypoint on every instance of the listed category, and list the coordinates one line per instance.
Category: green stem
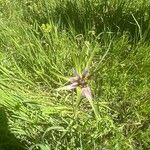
(78, 101)
(95, 109)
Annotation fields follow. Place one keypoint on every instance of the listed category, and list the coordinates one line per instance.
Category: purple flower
(80, 81)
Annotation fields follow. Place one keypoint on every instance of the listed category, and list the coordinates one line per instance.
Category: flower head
(80, 81)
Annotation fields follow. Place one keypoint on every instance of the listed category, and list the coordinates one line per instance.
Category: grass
(40, 45)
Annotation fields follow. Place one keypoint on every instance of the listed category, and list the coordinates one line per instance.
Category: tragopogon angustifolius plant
(80, 81)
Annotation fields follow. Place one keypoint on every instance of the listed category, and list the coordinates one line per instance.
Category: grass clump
(40, 45)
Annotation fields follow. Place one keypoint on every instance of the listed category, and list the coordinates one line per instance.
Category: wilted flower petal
(69, 87)
(86, 92)
(85, 72)
(74, 79)
(72, 86)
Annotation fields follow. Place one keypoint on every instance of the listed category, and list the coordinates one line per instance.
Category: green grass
(40, 45)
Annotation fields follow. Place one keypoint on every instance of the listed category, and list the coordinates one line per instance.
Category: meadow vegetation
(41, 42)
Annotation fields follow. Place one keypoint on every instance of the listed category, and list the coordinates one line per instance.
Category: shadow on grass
(102, 16)
(7, 140)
